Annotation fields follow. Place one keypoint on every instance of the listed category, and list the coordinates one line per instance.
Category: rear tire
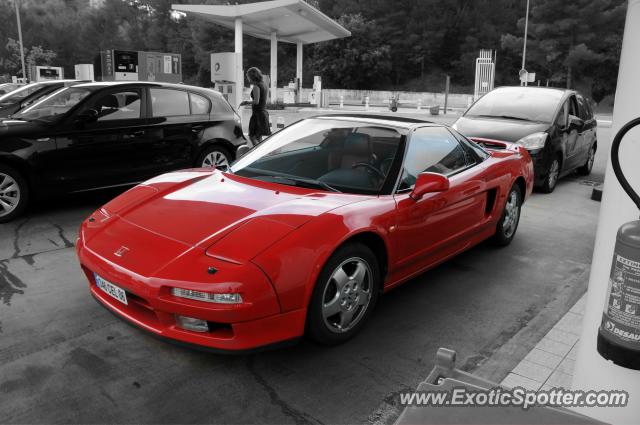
(215, 155)
(510, 218)
(345, 294)
(553, 174)
(585, 170)
(14, 193)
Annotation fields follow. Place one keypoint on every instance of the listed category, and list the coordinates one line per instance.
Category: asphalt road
(64, 358)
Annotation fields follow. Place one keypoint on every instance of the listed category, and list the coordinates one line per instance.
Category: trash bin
(445, 377)
(434, 110)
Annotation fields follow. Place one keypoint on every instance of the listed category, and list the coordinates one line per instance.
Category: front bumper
(255, 323)
(540, 166)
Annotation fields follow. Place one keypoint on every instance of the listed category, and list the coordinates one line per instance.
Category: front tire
(215, 156)
(14, 193)
(345, 294)
(510, 218)
(553, 174)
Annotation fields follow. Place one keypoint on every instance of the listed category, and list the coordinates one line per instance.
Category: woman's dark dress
(259, 122)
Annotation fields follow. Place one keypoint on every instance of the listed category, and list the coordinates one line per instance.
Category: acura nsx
(302, 234)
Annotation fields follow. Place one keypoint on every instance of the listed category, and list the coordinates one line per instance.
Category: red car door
(438, 225)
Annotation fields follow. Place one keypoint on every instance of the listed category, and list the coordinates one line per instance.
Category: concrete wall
(356, 97)
(332, 96)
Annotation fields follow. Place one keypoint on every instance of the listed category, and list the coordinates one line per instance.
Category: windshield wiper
(509, 117)
(310, 183)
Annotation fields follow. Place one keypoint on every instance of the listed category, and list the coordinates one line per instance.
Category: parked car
(9, 87)
(28, 94)
(98, 135)
(556, 126)
(302, 234)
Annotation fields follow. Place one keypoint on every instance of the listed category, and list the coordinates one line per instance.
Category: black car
(556, 126)
(99, 135)
(24, 96)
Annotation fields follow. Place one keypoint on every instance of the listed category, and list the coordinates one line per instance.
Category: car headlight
(533, 141)
(208, 297)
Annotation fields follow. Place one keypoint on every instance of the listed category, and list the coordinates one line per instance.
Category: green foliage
(395, 45)
(36, 55)
(576, 40)
(362, 61)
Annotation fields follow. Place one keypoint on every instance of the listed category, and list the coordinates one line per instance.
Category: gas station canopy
(293, 20)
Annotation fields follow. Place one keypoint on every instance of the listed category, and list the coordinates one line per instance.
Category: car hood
(498, 129)
(197, 208)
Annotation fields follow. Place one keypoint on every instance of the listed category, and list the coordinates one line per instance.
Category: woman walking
(259, 122)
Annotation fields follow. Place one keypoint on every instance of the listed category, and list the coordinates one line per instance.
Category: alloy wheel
(217, 159)
(554, 173)
(511, 214)
(9, 194)
(592, 158)
(347, 295)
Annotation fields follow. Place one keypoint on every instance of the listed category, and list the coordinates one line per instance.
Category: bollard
(341, 102)
(366, 103)
(280, 124)
(271, 124)
(419, 104)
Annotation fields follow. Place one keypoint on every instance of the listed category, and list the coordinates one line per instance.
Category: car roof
(379, 119)
(537, 88)
(46, 82)
(105, 84)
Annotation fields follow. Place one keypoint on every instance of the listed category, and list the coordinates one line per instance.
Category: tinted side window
(561, 120)
(199, 104)
(168, 102)
(220, 105)
(585, 111)
(121, 105)
(573, 107)
(432, 149)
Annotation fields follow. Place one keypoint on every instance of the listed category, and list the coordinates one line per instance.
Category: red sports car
(303, 233)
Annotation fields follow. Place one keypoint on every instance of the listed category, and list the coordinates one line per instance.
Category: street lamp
(524, 47)
(24, 72)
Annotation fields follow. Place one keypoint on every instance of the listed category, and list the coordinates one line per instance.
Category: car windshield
(517, 103)
(21, 93)
(54, 105)
(326, 154)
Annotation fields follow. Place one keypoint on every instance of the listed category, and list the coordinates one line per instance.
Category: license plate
(112, 290)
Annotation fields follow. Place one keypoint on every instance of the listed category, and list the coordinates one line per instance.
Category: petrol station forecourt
(545, 312)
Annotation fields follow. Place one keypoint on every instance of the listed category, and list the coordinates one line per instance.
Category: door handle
(133, 135)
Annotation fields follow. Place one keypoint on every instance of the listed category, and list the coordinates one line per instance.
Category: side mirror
(87, 116)
(429, 183)
(575, 122)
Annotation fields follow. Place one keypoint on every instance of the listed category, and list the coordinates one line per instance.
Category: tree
(362, 61)
(570, 40)
(35, 55)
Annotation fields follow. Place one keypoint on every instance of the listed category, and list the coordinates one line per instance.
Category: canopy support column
(299, 70)
(274, 67)
(239, 73)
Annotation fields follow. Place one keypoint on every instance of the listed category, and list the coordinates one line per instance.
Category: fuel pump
(619, 332)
